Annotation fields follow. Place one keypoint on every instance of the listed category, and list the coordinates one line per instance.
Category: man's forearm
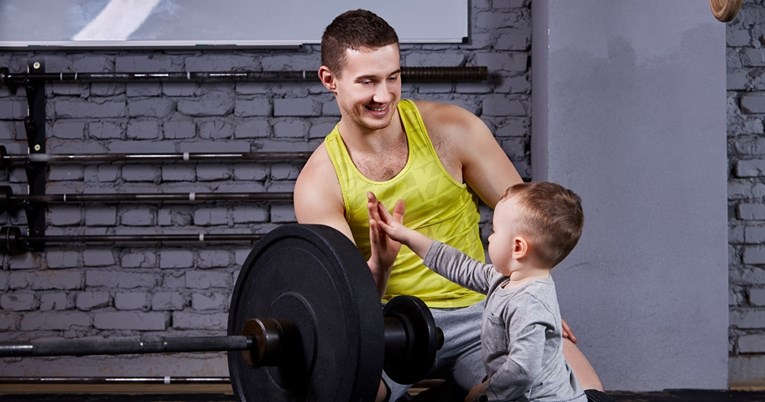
(380, 276)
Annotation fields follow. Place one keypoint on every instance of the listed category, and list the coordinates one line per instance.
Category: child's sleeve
(454, 265)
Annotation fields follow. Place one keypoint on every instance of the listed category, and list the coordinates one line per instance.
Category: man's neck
(373, 141)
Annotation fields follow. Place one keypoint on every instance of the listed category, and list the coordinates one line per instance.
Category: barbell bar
(258, 157)
(115, 380)
(408, 74)
(8, 200)
(325, 336)
(13, 242)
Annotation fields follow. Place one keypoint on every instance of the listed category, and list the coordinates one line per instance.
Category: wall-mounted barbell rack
(10, 201)
(13, 242)
(36, 73)
(36, 162)
(7, 160)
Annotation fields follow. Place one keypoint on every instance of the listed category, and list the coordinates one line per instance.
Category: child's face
(505, 229)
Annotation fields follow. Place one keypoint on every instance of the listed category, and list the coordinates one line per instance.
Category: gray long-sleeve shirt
(521, 336)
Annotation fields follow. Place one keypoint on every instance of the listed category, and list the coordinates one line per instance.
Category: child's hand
(392, 224)
(383, 249)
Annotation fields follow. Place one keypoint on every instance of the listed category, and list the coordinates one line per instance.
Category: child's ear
(520, 247)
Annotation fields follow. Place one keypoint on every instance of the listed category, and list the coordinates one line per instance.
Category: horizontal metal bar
(260, 157)
(408, 74)
(143, 197)
(115, 380)
(13, 242)
(86, 347)
(144, 238)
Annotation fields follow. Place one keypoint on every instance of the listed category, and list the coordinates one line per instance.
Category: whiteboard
(216, 23)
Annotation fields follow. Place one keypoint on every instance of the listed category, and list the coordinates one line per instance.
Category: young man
(438, 157)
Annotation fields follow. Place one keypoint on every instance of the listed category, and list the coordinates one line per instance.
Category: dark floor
(664, 396)
(690, 396)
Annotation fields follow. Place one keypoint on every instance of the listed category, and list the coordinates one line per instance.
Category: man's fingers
(398, 210)
(567, 332)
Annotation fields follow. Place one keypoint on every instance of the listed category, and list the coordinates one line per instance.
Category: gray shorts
(460, 358)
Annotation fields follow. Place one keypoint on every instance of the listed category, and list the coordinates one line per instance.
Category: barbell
(11, 201)
(305, 324)
(7, 160)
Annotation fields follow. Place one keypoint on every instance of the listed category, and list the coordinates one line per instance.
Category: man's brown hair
(353, 29)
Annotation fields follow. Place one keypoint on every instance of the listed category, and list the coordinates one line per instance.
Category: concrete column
(629, 111)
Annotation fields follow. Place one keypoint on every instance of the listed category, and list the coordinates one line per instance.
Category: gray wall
(629, 111)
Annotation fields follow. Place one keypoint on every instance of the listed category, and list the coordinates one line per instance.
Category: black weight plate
(423, 337)
(313, 276)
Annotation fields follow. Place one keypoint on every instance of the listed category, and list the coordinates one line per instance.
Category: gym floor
(222, 393)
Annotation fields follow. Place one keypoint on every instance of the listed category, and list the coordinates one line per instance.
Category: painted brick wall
(170, 290)
(746, 155)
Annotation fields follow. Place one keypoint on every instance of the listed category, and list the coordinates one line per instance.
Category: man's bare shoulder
(318, 172)
(428, 108)
(447, 122)
(317, 191)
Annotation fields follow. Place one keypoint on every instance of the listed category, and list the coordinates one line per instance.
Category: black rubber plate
(313, 276)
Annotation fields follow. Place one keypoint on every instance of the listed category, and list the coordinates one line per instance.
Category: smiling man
(437, 157)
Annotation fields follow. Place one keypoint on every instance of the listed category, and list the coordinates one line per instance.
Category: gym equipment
(305, 324)
(14, 243)
(7, 159)
(408, 74)
(725, 10)
(8, 200)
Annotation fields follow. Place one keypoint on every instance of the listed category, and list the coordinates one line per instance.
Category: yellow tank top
(436, 205)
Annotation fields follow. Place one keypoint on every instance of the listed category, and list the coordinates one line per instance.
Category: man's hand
(567, 332)
(383, 249)
(476, 392)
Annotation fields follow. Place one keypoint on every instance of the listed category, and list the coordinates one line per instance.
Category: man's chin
(376, 124)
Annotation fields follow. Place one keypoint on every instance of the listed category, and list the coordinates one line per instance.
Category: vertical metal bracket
(36, 171)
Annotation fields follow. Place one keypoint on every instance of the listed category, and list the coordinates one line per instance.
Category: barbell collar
(270, 336)
(11, 241)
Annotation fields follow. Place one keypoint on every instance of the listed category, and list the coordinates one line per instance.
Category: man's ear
(520, 247)
(327, 79)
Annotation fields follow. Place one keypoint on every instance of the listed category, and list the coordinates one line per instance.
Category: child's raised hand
(383, 249)
(392, 223)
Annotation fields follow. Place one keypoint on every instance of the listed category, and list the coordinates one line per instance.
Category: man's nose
(383, 93)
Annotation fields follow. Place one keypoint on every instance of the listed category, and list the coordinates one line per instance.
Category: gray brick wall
(131, 290)
(746, 156)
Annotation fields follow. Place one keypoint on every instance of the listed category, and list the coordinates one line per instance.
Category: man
(439, 158)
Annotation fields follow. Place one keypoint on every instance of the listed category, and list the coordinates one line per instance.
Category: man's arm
(318, 199)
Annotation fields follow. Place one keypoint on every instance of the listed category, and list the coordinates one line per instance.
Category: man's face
(368, 88)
